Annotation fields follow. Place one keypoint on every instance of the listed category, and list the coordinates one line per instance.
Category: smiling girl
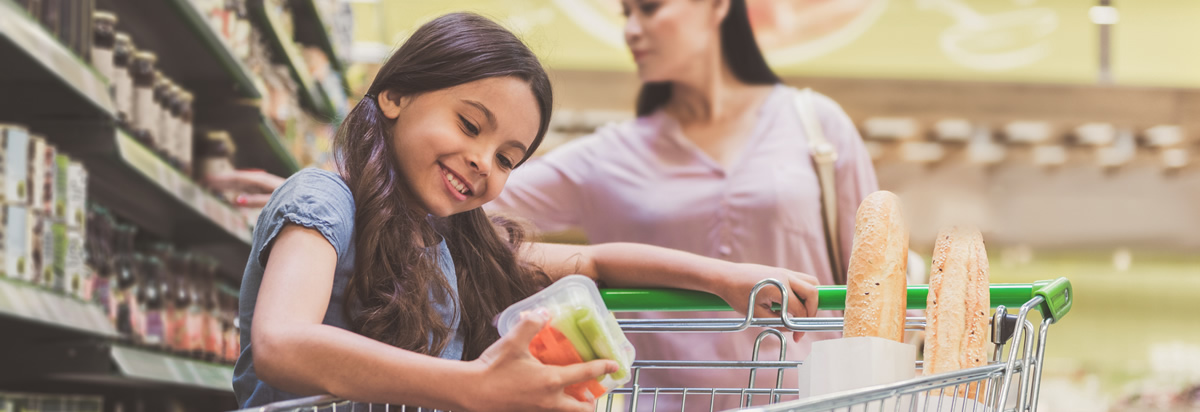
(379, 283)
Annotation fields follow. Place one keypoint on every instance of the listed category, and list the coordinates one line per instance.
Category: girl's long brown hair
(396, 282)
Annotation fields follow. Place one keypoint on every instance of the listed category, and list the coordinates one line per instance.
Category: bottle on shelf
(122, 79)
(125, 263)
(161, 85)
(151, 303)
(184, 138)
(172, 113)
(179, 303)
(197, 320)
(232, 342)
(215, 336)
(217, 156)
(100, 254)
(104, 30)
(144, 108)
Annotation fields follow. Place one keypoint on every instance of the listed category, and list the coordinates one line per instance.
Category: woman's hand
(511, 379)
(253, 187)
(740, 278)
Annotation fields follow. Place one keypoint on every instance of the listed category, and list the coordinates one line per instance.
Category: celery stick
(593, 329)
(565, 323)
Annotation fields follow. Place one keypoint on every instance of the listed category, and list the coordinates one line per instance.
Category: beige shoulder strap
(824, 155)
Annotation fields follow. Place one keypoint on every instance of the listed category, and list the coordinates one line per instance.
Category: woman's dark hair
(740, 52)
(396, 283)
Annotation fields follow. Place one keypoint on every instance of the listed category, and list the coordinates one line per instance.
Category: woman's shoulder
(822, 105)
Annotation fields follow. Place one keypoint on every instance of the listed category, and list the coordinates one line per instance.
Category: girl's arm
(294, 352)
(637, 265)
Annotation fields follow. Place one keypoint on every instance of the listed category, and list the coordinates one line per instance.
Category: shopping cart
(1010, 380)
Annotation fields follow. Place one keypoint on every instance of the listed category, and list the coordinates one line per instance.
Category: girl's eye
(504, 162)
(471, 129)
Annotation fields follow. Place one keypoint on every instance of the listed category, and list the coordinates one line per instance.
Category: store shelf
(42, 77)
(47, 88)
(259, 143)
(284, 48)
(104, 363)
(52, 312)
(188, 49)
(181, 189)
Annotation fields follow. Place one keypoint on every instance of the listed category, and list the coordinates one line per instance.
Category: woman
(716, 163)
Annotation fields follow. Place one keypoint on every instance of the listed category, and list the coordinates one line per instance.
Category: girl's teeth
(457, 185)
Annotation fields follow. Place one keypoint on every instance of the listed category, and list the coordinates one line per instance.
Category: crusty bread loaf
(956, 329)
(876, 286)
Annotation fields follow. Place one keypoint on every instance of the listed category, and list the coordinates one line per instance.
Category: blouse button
(725, 250)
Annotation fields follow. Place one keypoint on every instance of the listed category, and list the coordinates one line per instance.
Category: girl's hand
(511, 379)
(740, 279)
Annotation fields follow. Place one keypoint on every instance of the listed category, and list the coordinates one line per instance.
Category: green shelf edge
(160, 367)
(224, 55)
(132, 152)
(326, 43)
(47, 311)
(316, 100)
(275, 140)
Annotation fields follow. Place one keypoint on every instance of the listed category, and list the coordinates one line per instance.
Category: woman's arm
(294, 352)
(637, 265)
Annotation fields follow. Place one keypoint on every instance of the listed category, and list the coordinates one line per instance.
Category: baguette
(957, 306)
(876, 282)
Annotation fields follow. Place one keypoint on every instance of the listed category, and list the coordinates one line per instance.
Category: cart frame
(1012, 376)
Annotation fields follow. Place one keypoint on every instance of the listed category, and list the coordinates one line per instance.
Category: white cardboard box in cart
(837, 365)
(846, 364)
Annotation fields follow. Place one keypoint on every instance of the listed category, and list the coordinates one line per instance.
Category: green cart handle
(1056, 294)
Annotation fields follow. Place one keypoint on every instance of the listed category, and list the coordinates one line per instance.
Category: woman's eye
(504, 162)
(648, 8)
(470, 128)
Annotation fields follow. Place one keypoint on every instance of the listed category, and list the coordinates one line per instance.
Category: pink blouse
(643, 181)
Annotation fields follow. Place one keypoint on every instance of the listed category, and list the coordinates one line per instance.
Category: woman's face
(668, 38)
(457, 146)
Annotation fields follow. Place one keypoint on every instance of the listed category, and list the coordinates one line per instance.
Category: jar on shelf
(174, 127)
(162, 88)
(145, 110)
(184, 135)
(104, 41)
(122, 79)
(217, 157)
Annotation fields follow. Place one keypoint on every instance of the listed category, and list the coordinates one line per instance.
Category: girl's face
(457, 146)
(669, 37)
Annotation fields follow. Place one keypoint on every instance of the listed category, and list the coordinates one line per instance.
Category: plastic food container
(580, 329)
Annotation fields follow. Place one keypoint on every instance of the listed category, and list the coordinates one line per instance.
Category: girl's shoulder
(320, 193)
(313, 181)
(312, 198)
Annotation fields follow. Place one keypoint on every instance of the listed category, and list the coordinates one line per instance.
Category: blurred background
(1065, 129)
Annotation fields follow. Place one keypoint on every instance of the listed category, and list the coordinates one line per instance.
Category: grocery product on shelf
(122, 79)
(144, 108)
(104, 41)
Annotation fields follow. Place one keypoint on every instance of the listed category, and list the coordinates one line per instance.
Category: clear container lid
(578, 314)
